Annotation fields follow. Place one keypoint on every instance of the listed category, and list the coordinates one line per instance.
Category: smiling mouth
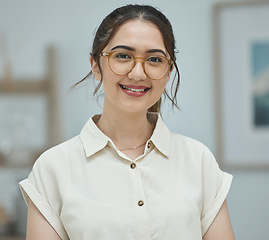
(134, 89)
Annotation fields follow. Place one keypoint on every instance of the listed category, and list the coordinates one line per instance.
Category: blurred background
(44, 50)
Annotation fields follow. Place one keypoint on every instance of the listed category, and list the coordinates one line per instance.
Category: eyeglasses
(121, 63)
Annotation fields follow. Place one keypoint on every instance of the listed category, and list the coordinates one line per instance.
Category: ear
(95, 69)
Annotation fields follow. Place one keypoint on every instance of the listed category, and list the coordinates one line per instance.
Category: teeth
(134, 90)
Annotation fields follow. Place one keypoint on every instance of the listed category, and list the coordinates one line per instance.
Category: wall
(31, 26)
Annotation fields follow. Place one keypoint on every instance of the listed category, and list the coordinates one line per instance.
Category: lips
(134, 91)
(134, 88)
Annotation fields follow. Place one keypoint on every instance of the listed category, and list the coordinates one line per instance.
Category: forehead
(139, 34)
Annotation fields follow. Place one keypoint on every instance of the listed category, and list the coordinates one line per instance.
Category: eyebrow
(133, 49)
(157, 50)
(123, 47)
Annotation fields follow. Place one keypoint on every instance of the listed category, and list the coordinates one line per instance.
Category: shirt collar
(161, 137)
(94, 140)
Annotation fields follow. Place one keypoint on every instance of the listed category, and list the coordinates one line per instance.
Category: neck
(126, 130)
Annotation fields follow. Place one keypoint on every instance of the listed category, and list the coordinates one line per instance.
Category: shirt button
(148, 144)
(140, 203)
(133, 165)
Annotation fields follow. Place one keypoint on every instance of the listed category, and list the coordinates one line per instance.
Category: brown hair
(118, 17)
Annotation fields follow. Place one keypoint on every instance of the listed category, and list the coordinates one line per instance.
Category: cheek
(158, 90)
(160, 84)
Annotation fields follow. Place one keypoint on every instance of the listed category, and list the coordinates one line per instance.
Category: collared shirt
(87, 189)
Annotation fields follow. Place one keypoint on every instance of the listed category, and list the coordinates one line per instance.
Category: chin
(135, 109)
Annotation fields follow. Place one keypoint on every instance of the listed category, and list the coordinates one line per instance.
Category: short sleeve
(42, 188)
(216, 185)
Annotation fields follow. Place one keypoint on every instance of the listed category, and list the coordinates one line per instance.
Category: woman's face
(134, 91)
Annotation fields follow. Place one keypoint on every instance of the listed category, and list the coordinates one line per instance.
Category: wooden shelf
(47, 86)
(25, 86)
(11, 238)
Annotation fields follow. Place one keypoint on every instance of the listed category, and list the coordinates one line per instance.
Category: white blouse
(87, 189)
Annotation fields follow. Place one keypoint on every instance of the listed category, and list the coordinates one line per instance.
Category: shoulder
(191, 151)
(63, 149)
(188, 143)
(61, 154)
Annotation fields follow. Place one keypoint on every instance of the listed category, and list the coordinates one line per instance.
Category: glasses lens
(121, 62)
(156, 67)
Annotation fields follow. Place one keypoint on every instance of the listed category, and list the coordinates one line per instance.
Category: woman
(126, 176)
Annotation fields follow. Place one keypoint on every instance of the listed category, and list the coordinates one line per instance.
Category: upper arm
(37, 226)
(221, 228)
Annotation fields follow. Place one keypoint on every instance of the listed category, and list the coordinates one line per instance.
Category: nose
(137, 73)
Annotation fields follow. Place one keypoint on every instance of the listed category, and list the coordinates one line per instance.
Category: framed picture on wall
(241, 57)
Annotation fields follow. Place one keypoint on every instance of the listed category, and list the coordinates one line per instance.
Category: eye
(122, 56)
(155, 59)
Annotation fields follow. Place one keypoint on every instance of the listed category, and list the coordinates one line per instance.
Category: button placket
(141, 211)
